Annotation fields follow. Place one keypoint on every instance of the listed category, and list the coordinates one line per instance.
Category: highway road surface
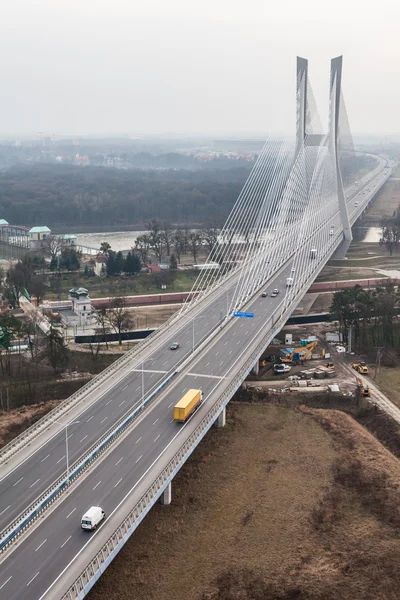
(57, 539)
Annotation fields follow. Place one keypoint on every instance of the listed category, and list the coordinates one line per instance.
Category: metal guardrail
(88, 577)
(28, 435)
(12, 447)
(14, 529)
(26, 518)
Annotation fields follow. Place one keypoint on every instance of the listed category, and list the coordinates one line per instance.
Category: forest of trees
(59, 195)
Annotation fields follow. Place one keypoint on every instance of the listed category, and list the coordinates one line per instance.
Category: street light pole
(66, 450)
(150, 358)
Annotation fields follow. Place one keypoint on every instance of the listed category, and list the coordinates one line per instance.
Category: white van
(92, 518)
(289, 281)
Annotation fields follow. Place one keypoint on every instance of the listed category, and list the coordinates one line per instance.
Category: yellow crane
(297, 353)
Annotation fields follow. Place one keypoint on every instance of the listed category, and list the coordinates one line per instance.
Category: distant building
(238, 145)
(37, 235)
(152, 268)
(81, 313)
(69, 239)
(100, 263)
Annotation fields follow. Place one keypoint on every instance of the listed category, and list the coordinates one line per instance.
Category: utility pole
(378, 361)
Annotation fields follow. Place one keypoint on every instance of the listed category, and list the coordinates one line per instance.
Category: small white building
(100, 265)
(81, 305)
(69, 239)
(37, 235)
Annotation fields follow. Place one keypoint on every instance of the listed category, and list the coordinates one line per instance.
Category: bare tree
(102, 320)
(38, 288)
(194, 243)
(156, 237)
(119, 318)
(52, 246)
(179, 243)
(167, 236)
(142, 246)
(210, 235)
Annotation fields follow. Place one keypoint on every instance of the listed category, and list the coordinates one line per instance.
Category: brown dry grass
(242, 501)
(387, 201)
(12, 423)
(281, 504)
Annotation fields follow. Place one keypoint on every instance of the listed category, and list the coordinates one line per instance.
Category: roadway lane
(19, 488)
(53, 544)
(33, 476)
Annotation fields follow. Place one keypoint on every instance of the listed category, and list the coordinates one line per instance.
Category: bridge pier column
(220, 421)
(166, 496)
(255, 370)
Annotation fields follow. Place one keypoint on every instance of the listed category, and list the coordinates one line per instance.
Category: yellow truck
(187, 405)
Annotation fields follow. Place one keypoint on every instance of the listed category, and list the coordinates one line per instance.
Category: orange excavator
(299, 354)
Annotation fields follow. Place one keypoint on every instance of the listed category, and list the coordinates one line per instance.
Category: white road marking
(117, 463)
(31, 486)
(118, 482)
(105, 419)
(17, 482)
(169, 405)
(216, 354)
(230, 352)
(70, 436)
(138, 388)
(141, 456)
(137, 441)
(72, 511)
(157, 438)
(89, 419)
(155, 421)
(226, 343)
(66, 541)
(41, 545)
(97, 485)
(164, 363)
(207, 364)
(43, 459)
(172, 420)
(34, 577)
(3, 511)
(84, 438)
(122, 402)
(125, 387)
(62, 458)
(1, 586)
(111, 400)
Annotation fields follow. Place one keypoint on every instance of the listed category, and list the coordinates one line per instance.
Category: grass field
(388, 380)
(117, 286)
(280, 504)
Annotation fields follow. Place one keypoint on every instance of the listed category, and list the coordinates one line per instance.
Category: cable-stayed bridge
(115, 443)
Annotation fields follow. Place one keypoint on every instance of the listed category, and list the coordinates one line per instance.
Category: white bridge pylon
(293, 204)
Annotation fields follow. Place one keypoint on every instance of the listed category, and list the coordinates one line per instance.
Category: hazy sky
(185, 66)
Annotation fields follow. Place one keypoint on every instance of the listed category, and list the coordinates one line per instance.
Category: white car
(294, 378)
(356, 203)
(340, 349)
(331, 231)
(282, 368)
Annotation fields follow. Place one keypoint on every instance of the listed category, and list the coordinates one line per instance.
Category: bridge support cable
(290, 203)
(225, 248)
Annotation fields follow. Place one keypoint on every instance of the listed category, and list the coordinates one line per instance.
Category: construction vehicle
(362, 388)
(360, 367)
(301, 353)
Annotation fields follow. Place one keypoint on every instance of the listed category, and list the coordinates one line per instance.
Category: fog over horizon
(189, 68)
